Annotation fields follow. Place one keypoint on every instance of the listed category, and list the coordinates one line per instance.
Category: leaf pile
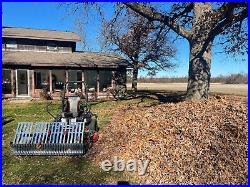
(188, 142)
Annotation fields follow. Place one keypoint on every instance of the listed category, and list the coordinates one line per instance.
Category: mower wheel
(93, 125)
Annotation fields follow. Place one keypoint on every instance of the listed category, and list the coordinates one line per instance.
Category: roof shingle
(52, 59)
(13, 32)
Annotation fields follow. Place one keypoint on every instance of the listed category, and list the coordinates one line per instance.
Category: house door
(22, 83)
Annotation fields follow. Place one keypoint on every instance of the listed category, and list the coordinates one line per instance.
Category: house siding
(38, 45)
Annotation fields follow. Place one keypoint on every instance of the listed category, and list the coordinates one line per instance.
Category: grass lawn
(51, 169)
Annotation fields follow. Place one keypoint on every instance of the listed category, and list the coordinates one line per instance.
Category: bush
(45, 94)
(236, 79)
(119, 92)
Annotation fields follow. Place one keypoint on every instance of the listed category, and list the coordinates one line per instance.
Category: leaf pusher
(72, 132)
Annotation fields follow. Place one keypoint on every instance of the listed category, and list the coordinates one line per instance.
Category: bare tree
(142, 43)
(200, 23)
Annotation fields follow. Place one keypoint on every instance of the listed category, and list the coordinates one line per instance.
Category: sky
(49, 15)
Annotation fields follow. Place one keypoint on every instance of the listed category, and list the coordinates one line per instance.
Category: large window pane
(41, 79)
(75, 75)
(105, 78)
(72, 75)
(90, 78)
(6, 81)
(58, 79)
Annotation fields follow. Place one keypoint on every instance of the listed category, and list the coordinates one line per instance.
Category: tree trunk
(134, 79)
(199, 70)
(200, 52)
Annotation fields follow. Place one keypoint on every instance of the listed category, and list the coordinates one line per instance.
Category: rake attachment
(71, 133)
(44, 138)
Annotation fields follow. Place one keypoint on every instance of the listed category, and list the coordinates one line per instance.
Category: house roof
(13, 32)
(52, 59)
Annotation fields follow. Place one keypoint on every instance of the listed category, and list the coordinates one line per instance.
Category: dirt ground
(232, 89)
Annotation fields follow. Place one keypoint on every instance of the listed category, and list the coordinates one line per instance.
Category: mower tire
(93, 125)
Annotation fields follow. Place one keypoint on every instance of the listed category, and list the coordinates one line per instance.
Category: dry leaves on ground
(186, 142)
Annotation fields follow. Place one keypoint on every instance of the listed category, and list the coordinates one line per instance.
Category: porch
(28, 74)
(33, 83)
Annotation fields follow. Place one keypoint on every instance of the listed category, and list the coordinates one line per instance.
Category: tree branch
(229, 21)
(152, 15)
(223, 25)
(186, 10)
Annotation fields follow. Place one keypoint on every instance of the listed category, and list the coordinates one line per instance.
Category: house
(35, 59)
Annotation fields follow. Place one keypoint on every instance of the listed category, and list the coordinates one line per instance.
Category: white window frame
(51, 46)
(11, 44)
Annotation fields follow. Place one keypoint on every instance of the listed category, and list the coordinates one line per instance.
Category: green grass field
(42, 169)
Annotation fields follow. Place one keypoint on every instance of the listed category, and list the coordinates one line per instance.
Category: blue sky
(51, 16)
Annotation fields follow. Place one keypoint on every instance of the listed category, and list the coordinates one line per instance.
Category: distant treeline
(238, 78)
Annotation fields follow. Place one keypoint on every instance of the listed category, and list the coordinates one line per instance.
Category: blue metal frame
(43, 138)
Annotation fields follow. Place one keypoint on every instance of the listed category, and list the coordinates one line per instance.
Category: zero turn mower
(72, 132)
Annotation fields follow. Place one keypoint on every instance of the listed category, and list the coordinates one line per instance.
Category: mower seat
(73, 104)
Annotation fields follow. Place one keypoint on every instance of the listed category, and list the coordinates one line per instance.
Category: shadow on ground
(158, 96)
(7, 119)
(162, 96)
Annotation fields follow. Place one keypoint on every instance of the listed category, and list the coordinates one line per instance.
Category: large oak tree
(200, 23)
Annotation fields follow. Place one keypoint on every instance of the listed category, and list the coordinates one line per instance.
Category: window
(51, 46)
(90, 78)
(12, 44)
(6, 81)
(75, 75)
(58, 79)
(41, 79)
(38, 81)
(105, 78)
